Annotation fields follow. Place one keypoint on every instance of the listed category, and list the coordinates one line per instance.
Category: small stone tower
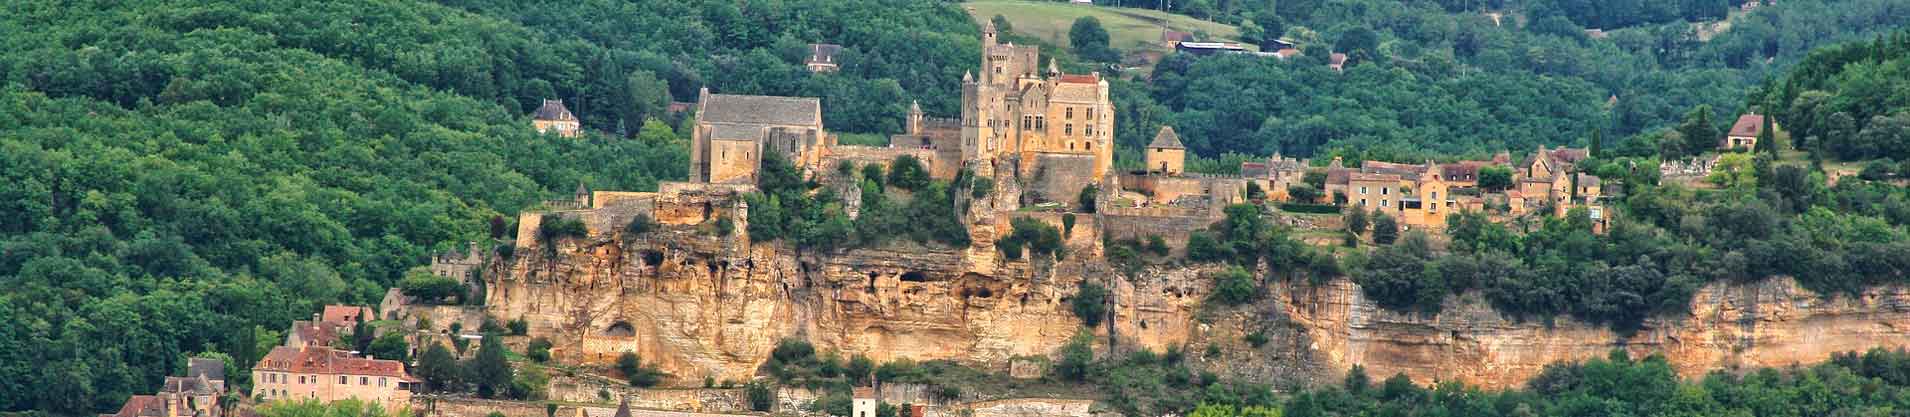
(915, 118)
(1166, 155)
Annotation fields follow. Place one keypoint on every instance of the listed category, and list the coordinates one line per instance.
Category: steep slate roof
(1747, 125)
(321, 332)
(325, 360)
(192, 385)
(823, 53)
(769, 110)
(212, 369)
(553, 110)
(736, 132)
(1166, 139)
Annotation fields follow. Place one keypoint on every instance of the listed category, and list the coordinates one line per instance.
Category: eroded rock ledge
(700, 306)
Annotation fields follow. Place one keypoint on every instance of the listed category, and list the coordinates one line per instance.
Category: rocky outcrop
(1773, 323)
(699, 305)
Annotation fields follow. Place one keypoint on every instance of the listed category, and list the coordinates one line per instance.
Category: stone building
(325, 374)
(554, 117)
(733, 131)
(863, 402)
(1166, 155)
(1015, 113)
(194, 395)
(822, 57)
(1744, 133)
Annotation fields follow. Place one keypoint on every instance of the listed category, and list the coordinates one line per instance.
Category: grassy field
(1129, 29)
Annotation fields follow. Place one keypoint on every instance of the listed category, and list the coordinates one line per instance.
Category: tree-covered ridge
(171, 189)
(895, 51)
(1849, 101)
(1424, 82)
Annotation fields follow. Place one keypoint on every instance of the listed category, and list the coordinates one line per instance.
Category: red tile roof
(864, 392)
(1748, 125)
(141, 405)
(1079, 79)
(327, 361)
(345, 314)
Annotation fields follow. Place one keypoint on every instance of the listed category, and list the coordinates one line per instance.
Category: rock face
(695, 307)
(698, 305)
(1772, 323)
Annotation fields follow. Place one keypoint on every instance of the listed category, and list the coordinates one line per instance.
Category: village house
(197, 394)
(822, 57)
(325, 374)
(1743, 135)
(314, 332)
(863, 402)
(554, 117)
(346, 315)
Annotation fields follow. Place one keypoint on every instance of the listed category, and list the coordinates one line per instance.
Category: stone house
(1166, 155)
(314, 332)
(822, 57)
(552, 116)
(325, 374)
(1743, 134)
(194, 395)
(346, 315)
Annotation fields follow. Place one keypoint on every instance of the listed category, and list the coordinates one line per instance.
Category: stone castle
(1017, 119)
(695, 296)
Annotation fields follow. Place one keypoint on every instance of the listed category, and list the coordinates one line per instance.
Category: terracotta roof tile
(344, 314)
(327, 361)
(1747, 125)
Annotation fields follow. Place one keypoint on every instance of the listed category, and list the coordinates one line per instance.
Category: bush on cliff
(1090, 303)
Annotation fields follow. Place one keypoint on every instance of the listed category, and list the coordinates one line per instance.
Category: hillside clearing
(1129, 29)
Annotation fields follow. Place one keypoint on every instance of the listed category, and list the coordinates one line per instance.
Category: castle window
(1041, 122)
(1362, 191)
(1089, 145)
(1089, 129)
(1067, 129)
(1070, 113)
(1362, 202)
(1382, 202)
(1383, 190)
(1090, 113)
(1027, 122)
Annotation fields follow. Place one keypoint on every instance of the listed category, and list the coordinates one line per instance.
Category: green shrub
(1234, 286)
(1090, 303)
(1257, 338)
(538, 350)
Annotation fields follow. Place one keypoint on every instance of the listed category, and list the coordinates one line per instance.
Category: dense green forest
(185, 177)
(1424, 82)
(179, 177)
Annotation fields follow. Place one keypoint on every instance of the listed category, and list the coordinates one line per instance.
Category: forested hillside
(184, 177)
(179, 177)
(1427, 80)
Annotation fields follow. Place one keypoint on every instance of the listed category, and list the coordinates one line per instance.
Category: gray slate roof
(553, 110)
(736, 132)
(1166, 139)
(213, 369)
(770, 110)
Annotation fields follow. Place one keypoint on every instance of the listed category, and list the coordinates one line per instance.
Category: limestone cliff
(699, 305)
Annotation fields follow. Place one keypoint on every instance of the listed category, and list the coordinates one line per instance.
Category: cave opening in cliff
(914, 276)
(652, 258)
(620, 329)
